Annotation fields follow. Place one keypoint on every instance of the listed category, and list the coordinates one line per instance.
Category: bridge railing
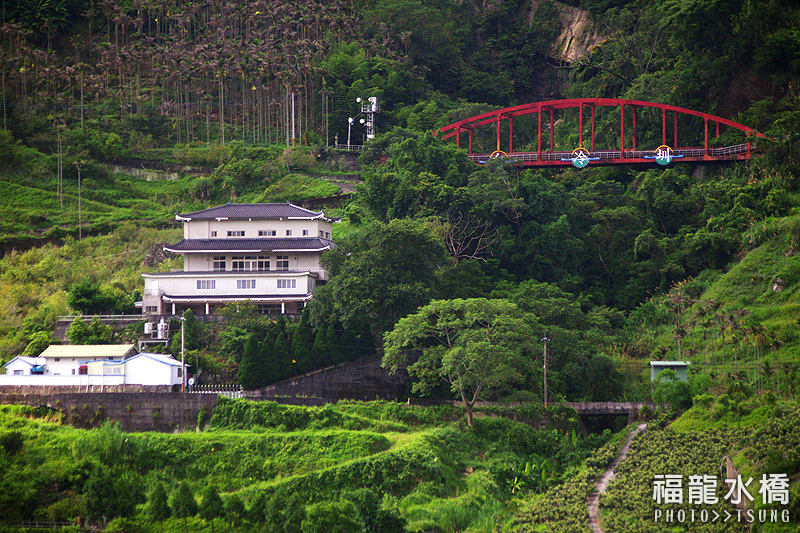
(523, 157)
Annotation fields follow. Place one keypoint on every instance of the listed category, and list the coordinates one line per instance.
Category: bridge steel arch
(626, 153)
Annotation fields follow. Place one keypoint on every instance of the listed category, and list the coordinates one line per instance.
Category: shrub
(11, 442)
(298, 158)
(333, 517)
(703, 400)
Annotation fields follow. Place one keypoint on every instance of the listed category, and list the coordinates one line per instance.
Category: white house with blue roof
(266, 253)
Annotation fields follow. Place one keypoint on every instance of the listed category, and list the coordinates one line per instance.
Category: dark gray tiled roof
(255, 211)
(249, 245)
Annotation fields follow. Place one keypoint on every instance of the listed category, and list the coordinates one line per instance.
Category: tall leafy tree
(99, 495)
(158, 505)
(234, 509)
(183, 504)
(252, 369)
(211, 506)
(380, 274)
(473, 345)
(303, 343)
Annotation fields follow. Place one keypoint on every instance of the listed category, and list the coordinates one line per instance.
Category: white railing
(229, 391)
(82, 380)
(349, 147)
(101, 317)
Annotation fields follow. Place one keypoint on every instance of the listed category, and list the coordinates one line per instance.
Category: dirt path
(593, 503)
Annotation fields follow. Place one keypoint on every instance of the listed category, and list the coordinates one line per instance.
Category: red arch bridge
(602, 131)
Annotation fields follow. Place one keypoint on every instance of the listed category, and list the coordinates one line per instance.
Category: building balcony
(168, 292)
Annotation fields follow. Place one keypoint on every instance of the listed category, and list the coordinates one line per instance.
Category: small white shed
(152, 369)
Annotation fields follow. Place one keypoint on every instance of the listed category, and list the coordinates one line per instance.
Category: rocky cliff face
(578, 32)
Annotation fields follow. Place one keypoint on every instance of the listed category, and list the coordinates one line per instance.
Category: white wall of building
(22, 366)
(201, 262)
(233, 284)
(142, 370)
(204, 229)
(66, 366)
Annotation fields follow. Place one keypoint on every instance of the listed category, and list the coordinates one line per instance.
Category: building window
(206, 284)
(219, 263)
(321, 233)
(213, 233)
(151, 309)
(245, 263)
(327, 235)
(282, 262)
(288, 232)
(17, 372)
(305, 232)
(245, 284)
(269, 309)
(287, 283)
(83, 370)
(236, 233)
(267, 233)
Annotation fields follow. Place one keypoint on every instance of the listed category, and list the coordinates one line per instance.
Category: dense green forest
(241, 102)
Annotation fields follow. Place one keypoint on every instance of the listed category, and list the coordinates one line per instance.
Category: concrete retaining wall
(358, 380)
(134, 411)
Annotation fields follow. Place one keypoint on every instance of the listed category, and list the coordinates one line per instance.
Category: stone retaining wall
(134, 411)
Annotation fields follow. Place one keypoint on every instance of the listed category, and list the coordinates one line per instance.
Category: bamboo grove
(217, 69)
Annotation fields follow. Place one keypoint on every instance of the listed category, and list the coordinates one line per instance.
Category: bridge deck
(610, 408)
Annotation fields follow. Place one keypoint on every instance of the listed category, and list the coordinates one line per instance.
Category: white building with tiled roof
(266, 253)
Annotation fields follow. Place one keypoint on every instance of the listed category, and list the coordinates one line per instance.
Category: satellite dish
(361, 121)
(191, 382)
(358, 100)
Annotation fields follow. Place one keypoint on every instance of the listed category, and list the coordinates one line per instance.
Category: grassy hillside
(419, 466)
(740, 323)
(763, 442)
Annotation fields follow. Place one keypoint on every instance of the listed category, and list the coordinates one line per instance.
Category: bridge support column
(510, 134)
(633, 145)
(539, 149)
(622, 130)
(675, 126)
(593, 108)
(663, 126)
(498, 133)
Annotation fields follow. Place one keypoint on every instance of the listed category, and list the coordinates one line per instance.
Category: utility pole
(183, 354)
(545, 340)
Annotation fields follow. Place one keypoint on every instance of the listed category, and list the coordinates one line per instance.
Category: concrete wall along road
(148, 410)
